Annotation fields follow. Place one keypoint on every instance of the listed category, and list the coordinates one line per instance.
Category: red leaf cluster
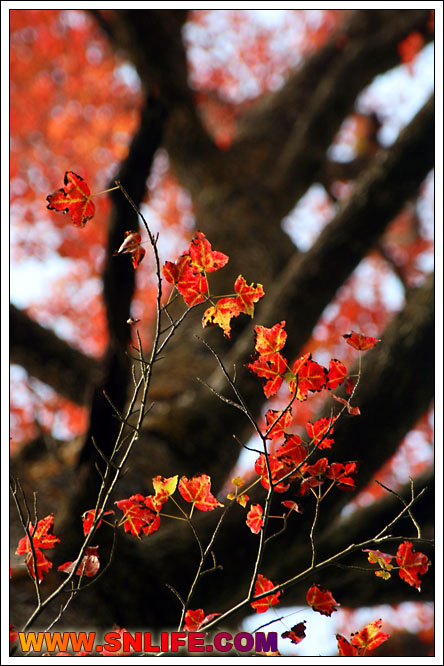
(304, 376)
(411, 564)
(189, 275)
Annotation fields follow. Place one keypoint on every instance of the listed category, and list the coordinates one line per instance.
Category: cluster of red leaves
(305, 375)
(42, 538)
(189, 275)
(287, 463)
(411, 564)
(141, 514)
(362, 642)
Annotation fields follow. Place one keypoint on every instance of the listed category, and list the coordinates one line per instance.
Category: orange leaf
(254, 518)
(203, 257)
(247, 295)
(278, 470)
(317, 431)
(341, 474)
(43, 565)
(292, 451)
(271, 367)
(336, 374)
(197, 491)
(74, 198)
(411, 564)
(360, 342)
(41, 536)
(195, 620)
(263, 585)
(281, 421)
(345, 648)
(269, 340)
(88, 519)
(221, 314)
(321, 600)
(370, 637)
(137, 518)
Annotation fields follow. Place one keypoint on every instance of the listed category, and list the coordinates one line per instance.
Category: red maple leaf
(360, 342)
(221, 314)
(369, 638)
(292, 451)
(341, 473)
(41, 536)
(254, 518)
(271, 367)
(278, 470)
(321, 600)
(247, 295)
(296, 633)
(202, 257)
(197, 491)
(74, 198)
(411, 564)
(137, 518)
(42, 564)
(307, 375)
(336, 374)
(263, 585)
(89, 565)
(192, 285)
(281, 421)
(345, 648)
(88, 519)
(269, 340)
(317, 431)
(196, 619)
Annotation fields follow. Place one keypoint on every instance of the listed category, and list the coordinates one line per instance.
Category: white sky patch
(32, 279)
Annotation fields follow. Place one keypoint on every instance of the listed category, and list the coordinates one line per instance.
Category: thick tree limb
(290, 131)
(49, 358)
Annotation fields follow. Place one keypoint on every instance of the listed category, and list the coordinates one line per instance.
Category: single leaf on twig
(74, 198)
